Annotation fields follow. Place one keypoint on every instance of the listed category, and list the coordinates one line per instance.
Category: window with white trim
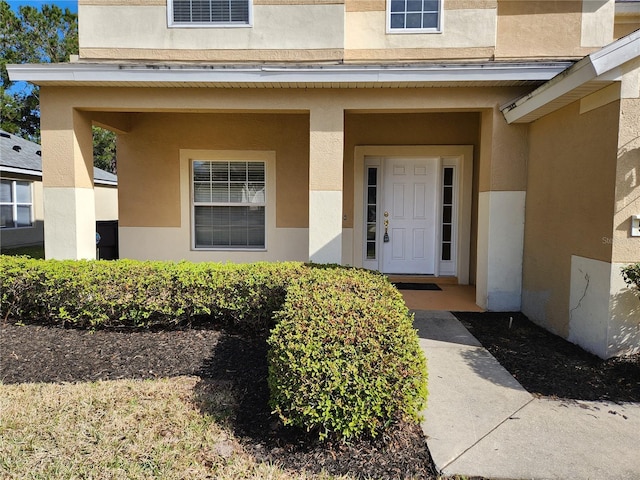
(16, 204)
(408, 16)
(209, 12)
(229, 203)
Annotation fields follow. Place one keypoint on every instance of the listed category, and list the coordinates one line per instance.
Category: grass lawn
(123, 429)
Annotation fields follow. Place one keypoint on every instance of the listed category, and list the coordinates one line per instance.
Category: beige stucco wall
(626, 249)
(296, 31)
(149, 161)
(468, 30)
(155, 126)
(627, 19)
(570, 200)
(550, 28)
(622, 29)
(106, 202)
(349, 30)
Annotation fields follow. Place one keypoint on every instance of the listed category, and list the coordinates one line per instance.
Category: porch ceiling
(290, 76)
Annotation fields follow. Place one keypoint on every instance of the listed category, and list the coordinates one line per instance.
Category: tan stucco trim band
(419, 54)
(210, 55)
(470, 4)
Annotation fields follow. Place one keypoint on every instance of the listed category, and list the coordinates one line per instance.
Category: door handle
(385, 239)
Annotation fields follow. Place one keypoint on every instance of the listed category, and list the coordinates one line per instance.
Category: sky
(70, 4)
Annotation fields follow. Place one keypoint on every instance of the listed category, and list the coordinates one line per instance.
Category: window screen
(210, 11)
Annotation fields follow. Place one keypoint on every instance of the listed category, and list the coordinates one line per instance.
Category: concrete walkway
(481, 422)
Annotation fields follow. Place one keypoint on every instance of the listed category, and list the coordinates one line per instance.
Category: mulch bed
(548, 365)
(543, 363)
(32, 353)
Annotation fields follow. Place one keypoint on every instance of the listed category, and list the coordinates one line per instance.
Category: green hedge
(344, 359)
(143, 294)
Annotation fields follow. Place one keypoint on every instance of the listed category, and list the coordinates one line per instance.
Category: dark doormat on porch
(416, 286)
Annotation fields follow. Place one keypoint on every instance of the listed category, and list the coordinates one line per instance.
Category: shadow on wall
(328, 252)
(628, 187)
(624, 326)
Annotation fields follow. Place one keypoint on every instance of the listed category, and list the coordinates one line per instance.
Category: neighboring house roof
(18, 155)
(593, 72)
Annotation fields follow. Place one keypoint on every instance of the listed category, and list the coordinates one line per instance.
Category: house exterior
(493, 141)
(21, 199)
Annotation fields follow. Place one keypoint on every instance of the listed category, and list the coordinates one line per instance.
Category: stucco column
(326, 146)
(67, 175)
(501, 209)
(623, 332)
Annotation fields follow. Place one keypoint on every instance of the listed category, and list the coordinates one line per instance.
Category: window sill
(227, 249)
(413, 31)
(210, 25)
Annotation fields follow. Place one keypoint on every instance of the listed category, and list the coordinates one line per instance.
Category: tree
(46, 35)
(32, 35)
(104, 149)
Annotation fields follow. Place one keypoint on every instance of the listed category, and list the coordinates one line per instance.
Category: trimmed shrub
(143, 294)
(344, 359)
(631, 275)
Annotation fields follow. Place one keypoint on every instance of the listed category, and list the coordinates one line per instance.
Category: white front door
(409, 215)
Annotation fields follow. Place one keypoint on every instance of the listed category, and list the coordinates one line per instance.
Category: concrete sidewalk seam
(486, 435)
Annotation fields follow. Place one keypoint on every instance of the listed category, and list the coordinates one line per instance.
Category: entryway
(450, 296)
(416, 213)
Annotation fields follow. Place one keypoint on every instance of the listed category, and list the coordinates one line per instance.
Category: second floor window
(407, 16)
(209, 12)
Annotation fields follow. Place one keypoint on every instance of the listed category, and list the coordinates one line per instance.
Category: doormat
(416, 286)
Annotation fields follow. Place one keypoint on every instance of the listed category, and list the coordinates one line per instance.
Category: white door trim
(464, 154)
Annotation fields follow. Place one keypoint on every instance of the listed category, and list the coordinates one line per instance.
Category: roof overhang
(590, 74)
(20, 171)
(108, 183)
(287, 76)
(38, 173)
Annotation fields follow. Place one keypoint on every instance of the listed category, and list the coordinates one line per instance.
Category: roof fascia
(136, 73)
(37, 173)
(603, 65)
(20, 171)
(105, 182)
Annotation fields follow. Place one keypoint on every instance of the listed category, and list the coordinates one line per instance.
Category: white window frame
(173, 24)
(263, 204)
(449, 267)
(14, 203)
(372, 162)
(437, 29)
